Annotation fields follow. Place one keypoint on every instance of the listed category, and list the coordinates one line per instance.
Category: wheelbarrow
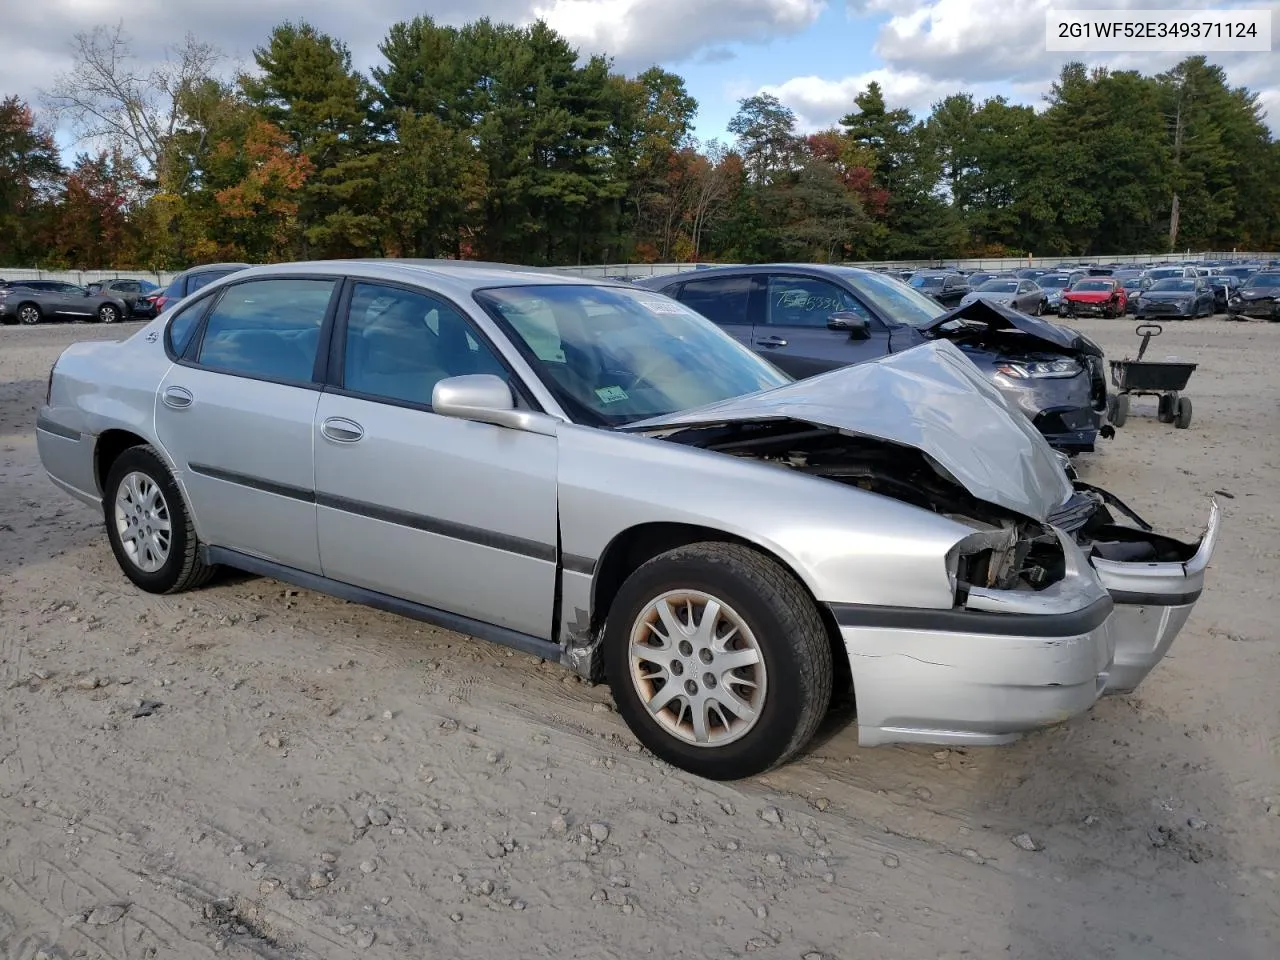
(1165, 379)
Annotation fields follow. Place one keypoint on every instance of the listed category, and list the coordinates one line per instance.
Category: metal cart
(1153, 378)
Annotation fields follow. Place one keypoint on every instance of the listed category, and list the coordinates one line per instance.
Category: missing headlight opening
(1009, 551)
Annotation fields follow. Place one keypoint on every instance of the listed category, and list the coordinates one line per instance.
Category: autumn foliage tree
(503, 142)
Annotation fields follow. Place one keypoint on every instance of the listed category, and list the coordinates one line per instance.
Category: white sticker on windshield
(611, 394)
(661, 306)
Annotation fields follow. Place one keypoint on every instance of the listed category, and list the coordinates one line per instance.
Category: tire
(1039, 311)
(108, 313)
(1166, 408)
(1118, 409)
(136, 479)
(1182, 418)
(774, 615)
(29, 314)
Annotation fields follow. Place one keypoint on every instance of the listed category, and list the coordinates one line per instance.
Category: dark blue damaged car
(810, 318)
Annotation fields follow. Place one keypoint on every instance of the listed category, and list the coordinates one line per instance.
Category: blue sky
(815, 55)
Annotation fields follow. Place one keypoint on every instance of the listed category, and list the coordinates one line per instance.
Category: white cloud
(818, 102)
(642, 32)
(931, 48)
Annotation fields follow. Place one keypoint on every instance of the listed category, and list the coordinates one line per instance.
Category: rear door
(235, 415)
(794, 334)
(724, 300)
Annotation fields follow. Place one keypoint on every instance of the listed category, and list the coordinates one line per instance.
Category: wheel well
(110, 445)
(634, 547)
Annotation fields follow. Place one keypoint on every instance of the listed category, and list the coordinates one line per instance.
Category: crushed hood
(955, 324)
(931, 398)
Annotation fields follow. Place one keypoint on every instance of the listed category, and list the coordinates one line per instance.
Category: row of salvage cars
(595, 473)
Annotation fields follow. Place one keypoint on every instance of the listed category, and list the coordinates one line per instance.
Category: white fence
(81, 277)
(631, 270)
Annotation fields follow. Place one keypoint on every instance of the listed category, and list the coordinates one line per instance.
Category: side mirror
(858, 327)
(484, 398)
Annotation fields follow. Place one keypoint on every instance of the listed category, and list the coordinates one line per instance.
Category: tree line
(499, 142)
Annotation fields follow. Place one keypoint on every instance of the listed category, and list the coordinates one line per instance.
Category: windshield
(1174, 283)
(1054, 281)
(893, 298)
(611, 356)
(919, 281)
(999, 286)
(1164, 272)
(1093, 285)
(1264, 280)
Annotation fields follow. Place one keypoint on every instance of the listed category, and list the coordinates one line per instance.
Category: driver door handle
(176, 397)
(771, 342)
(342, 430)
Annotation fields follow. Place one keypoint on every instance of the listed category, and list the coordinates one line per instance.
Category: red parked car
(1094, 297)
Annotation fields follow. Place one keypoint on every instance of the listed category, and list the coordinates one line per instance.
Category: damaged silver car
(595, 474)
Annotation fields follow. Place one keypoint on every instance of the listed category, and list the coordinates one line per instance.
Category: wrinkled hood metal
(996, 316)
(931, 398)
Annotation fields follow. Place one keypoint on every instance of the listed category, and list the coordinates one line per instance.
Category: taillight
(160, 302)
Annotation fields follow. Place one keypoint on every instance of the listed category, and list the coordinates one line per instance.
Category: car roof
(460, 276)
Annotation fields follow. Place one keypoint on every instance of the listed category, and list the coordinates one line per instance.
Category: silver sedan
(595, 474)
(1025, 296)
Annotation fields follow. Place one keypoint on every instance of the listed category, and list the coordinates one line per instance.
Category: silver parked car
(595, 474)
(1022, 295)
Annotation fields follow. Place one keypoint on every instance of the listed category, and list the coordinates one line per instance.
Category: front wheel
(718, 660)
(148, 525)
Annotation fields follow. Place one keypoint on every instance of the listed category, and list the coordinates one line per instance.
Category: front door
(452, 514)
(236, 419)
(794, 334)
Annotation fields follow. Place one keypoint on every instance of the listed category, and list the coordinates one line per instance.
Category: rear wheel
(29, 314)
(108, 313)
(718, 660)
(1167, 408)
(1182, 419)
(148, 525)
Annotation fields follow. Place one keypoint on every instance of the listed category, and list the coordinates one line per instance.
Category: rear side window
(267, 329)
(722, 300)
(183, 325)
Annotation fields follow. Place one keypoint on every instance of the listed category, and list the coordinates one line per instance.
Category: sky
(814, 55)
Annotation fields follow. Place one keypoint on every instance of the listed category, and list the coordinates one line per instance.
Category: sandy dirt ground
(322, 780)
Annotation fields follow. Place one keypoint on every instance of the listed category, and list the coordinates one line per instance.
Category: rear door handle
(176, 397)
(342, 430)
(771, 342)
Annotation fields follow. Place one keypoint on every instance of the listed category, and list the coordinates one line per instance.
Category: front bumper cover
(1015, 661)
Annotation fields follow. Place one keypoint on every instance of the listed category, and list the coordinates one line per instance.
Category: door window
(807, 302)
(722, 300)
(269, 329)
(400, 344)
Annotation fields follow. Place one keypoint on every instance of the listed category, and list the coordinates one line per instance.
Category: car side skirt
(381, 601)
